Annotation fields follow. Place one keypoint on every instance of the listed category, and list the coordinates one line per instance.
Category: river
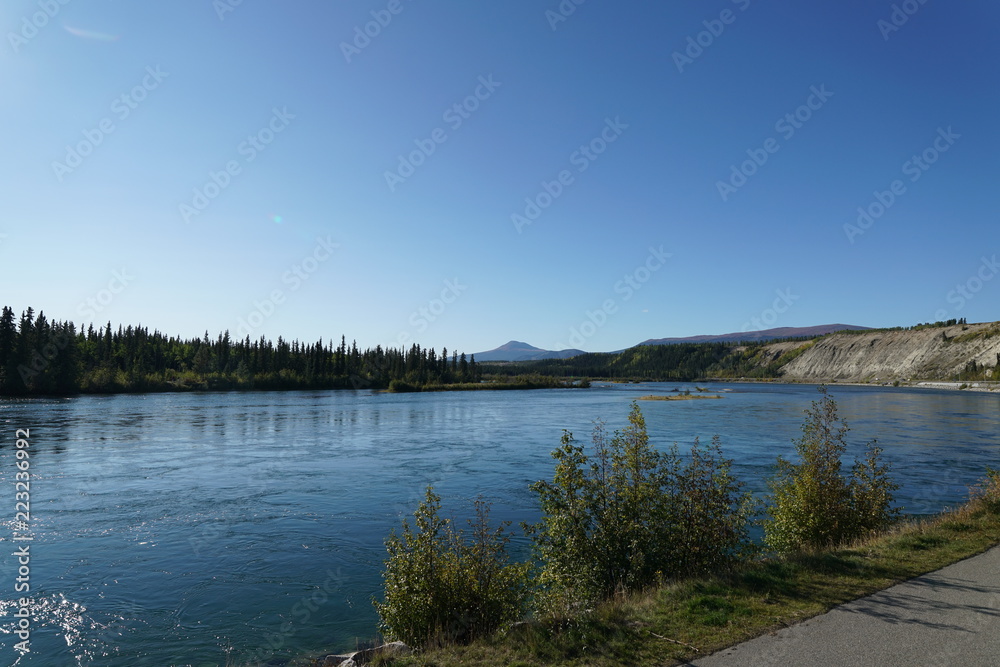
(223, 528)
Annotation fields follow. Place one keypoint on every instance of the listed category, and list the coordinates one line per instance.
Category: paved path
(948, 617)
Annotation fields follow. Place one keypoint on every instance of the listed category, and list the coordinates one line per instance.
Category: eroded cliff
(935, 353)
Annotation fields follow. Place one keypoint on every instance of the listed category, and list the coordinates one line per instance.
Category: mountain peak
(519, 346)
(516, 350)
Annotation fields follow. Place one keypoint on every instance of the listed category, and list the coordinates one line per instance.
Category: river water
(248, 528)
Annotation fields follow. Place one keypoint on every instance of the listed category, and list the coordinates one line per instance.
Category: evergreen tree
(8, 342)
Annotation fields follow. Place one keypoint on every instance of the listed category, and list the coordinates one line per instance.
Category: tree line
(42, 356)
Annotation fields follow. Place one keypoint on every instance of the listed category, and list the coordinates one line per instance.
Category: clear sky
(464, 173)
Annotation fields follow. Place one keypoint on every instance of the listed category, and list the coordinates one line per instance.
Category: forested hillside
(682, 361)
(39, 356)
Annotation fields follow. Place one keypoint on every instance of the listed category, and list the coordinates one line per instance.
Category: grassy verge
(682, 621)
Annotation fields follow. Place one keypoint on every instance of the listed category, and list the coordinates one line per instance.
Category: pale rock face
(886, 356)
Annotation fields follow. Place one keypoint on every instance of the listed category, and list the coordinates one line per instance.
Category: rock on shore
(363, 657)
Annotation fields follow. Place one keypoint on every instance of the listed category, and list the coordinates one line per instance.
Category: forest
(42, 356)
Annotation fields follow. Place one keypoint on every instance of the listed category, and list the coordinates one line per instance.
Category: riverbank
(961, 386)
(684, 620)
(979, 386)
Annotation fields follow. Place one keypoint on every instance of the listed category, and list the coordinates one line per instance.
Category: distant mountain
(517, 351)
(753, 336)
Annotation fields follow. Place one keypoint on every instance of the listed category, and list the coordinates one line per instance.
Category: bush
(444, 587)
(714, 516)
(988, 491)
(401, 387)
(631, 516)
(813, 505)
(871, 493)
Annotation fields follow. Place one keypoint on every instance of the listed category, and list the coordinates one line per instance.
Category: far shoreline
(982, 386)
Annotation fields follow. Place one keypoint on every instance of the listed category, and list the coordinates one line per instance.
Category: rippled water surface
(205, 529)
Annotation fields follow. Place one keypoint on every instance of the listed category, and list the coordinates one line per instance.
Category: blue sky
(587, 175)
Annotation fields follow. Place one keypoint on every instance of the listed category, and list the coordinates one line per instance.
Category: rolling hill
(755, 336)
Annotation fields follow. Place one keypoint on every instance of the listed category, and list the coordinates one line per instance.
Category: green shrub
(442, 586)
(714, 516)
(988, 490)
(630, 516)
(399, 386)
(871, 493)
(813, 505)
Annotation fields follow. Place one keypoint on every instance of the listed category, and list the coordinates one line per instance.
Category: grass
(684, 620)
(986, 333)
